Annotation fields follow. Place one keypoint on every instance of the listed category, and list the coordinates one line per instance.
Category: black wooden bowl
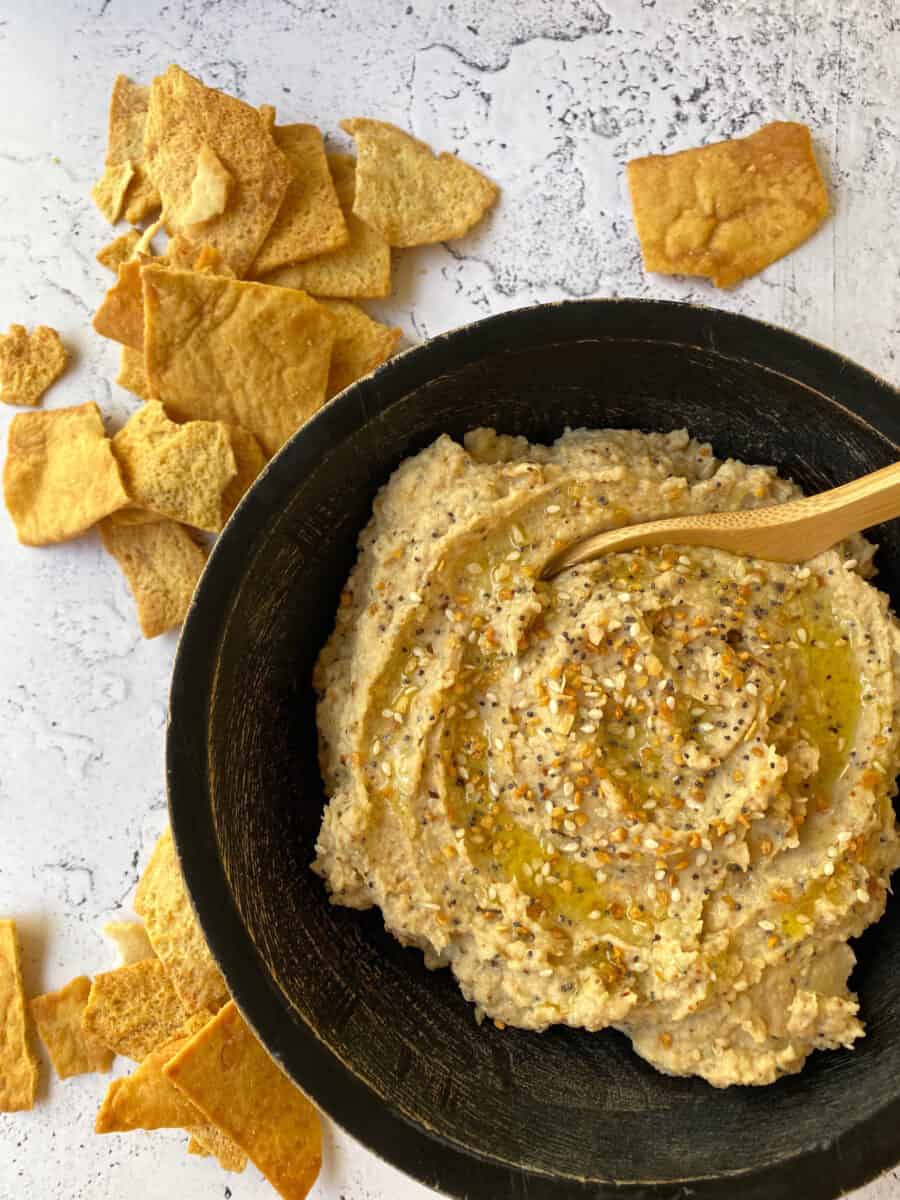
(390, 1050)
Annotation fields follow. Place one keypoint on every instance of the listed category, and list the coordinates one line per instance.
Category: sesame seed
(517, 675)
(588, 727)
(767, 926)
(415, 597)
(829, 868)
(862, 895)
(552, 509)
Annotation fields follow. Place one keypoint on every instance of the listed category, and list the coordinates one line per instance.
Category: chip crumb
(359, 270)
(228, 1075)
(410, 194)
(175, 471)
(60, 475)
(131, 941)
(209, 189)
(57, 1016)
(162, 900)
(125, 144)
(727, 210)
(183, 116)
(119, 250)
(108, 193)
(18, 1065)
(245, 353)
(310, 220)
(360, 344)
(161, 563)
(133, 1009)
(29, 363)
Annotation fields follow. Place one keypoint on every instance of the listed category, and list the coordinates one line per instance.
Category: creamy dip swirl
(654, 793)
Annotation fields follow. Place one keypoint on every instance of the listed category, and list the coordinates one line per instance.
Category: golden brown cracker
(133, 1009)
(18, 1065)
(183, 116)
(409, 194)
(125, 144)
(310, 220)
(358, 270)
(360, 344)
(209, 188)
(121, 312)
(132, 374)
(220, 349)
(207, 1140)
(60, 476)
(29, 363)
(174, 932)
(119, 250)
(229, 1076)
(175, 471)
(130, 939)
(145, 1099)
(58, 1016)
(250, 459)
(161, 563)
(108, 193)
(727, 210)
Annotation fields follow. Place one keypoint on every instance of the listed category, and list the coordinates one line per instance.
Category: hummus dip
(654, 793)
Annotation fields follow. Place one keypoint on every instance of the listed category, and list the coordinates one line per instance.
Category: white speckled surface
(550, 97)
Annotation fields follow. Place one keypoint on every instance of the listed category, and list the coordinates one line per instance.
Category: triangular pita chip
(60, 476)
(220, 349)
(408, 193)
(29, 363)
(360, 344)
(361, 269)
(57, 1016)
(161, 563)
(183, 116)
(310, 220)
(119, 250)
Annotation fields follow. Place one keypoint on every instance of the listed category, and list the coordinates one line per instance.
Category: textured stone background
(550, 97)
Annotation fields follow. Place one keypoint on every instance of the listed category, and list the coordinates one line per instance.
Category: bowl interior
(389, 1048)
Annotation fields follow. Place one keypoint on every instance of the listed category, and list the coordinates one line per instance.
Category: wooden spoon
(792, 532)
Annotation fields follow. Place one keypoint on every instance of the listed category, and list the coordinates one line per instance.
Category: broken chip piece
(161, 563)
(228, 1075)
(132, 375)
(183, 116)
(18, 1066)
(133, 1009)
(162, 900)
(121, 312)
(60, 475)
(209, 188)
(727, 210)
(360, 344)
(175, 471)
(108, 193)
(246, 353)
(359, 270)
(310, 220)
(409, 194)
(29, 363)
(130, 939)
(58, 1016)
(119, 250)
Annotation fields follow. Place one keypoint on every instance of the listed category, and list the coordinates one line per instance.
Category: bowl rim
(824, 1171)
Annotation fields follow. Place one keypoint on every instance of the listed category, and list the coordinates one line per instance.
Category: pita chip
(175, 471)
(250, 461)
(29, 363)
(125, 145)
(409, 194)
(108, 193)
(184, 116)
(229, 1076)
(58, 1016)
(360, 344)
(161, 563)
(130, 939)
(245, 353)
(209, 189)
(727, 210)
(119, 250)
(60, 476)
(121, 312)
(133, 1009)
(310, 220)
(132, 375)
(162, 900)
(18, 1066)
(358, 270)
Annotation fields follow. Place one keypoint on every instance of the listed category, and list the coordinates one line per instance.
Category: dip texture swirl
(653, 793)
